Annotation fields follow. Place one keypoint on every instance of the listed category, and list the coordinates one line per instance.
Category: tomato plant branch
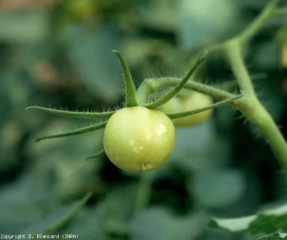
(250, 105)
(269, 11)
(233, 82)
(152, 85)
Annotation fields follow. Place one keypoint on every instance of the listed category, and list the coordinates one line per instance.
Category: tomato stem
(250, 106)
(253, 109)
(177, 87)
(269, 11)
(152, 85)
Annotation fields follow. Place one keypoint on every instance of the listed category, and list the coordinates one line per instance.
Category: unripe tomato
(138, 139)
(192, 101)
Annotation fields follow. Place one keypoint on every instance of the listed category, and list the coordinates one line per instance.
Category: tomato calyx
(158, 126)
(131, 101)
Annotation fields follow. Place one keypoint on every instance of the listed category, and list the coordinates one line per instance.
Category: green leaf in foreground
(275, 236)
(56, 220)
(268, 221)
(159, 224)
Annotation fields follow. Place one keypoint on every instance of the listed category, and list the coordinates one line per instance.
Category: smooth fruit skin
(193, 101)
(139, 139)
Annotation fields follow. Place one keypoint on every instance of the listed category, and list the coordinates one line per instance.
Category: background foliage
(58, 53)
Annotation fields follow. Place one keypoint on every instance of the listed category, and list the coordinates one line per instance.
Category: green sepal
(131, 100)
(215, 105)
(73, 114)
(178, 87)
(98, 154)
(75, 132)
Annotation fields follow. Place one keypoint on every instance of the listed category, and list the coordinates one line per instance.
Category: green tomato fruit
(139, 139)
(192, 101)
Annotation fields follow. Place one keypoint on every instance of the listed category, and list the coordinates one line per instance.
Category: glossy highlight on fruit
(139, 139)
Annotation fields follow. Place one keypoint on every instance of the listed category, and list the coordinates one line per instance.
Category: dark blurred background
(57, 54)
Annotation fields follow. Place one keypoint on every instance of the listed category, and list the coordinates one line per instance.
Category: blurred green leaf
(118, 203)
(267, 221)
(87, 225)
(198, 27)
(199, 148)
(160, 14)
(90, 50)
(21, 203)
(24, 26)
(218, 189)
(273, 50)
(55, 221)
(158, 224)
(60, 165)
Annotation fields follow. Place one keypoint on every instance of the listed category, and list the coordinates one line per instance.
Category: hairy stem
(177, 87)
(252, 108)
(152, 85)
(256, 25)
